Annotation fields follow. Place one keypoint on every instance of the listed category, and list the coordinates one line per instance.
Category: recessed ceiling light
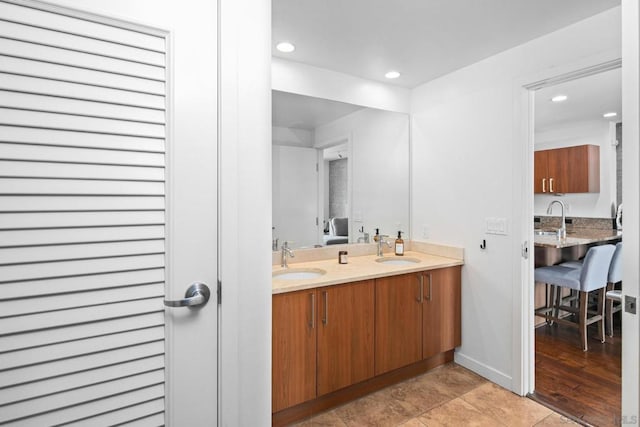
(285, 47)
(611, 114)
(559, 98)
(392, 75)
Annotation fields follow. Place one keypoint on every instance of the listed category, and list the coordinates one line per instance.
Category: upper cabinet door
(541, 172)
(584, 166)
(559, 170)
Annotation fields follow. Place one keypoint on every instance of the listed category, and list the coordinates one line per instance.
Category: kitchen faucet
(285, 251)
(562, 231)
(380, 242)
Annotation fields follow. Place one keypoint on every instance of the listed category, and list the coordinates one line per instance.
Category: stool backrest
(595, 268)
(615, 270)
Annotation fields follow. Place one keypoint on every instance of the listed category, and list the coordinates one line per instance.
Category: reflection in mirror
(339, 171)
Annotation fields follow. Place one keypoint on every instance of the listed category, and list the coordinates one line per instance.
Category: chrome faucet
(285, 251)
(562, 231)
(380, 242)
(365, 236)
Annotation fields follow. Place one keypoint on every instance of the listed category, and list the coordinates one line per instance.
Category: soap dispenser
(399, 244)
(377, 236)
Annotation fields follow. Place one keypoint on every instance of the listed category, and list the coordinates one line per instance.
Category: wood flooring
(585, 385)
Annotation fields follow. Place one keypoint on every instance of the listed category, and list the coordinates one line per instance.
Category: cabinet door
(441, 315)
(540, 171)
(294, 349)
(558, 164)
(345, 335)
(398, 322)
(584, 167)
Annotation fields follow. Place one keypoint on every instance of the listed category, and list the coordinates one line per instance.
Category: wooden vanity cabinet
(567, 170)
(441, 316)
(322, 341)
(345, 335)
(294, 348)
(398, 322)
(417, 317)
(327, 342)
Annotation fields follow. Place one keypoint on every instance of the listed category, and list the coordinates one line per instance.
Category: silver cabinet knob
(197, 294)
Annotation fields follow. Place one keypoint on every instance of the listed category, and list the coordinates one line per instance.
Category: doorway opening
(580, 113)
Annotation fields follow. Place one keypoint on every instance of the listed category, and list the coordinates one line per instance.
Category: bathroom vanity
(344, 330)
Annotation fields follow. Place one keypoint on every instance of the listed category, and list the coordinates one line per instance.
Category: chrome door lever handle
(197, 294)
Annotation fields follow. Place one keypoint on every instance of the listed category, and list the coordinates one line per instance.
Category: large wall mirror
(339, 171)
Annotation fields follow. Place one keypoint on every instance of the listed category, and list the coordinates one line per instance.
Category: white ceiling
(588, 99)
(306, 112)
(422, 39)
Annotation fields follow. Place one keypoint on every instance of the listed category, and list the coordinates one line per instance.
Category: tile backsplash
(575, 222)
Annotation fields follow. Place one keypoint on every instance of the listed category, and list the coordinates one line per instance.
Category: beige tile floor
(449, 395)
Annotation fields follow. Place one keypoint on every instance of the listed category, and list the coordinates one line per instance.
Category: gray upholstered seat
(559, 275)
(592, 275)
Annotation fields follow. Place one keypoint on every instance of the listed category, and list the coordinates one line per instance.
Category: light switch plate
(496, 226)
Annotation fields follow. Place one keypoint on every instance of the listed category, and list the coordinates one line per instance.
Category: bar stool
(613, 297)
(591, 276)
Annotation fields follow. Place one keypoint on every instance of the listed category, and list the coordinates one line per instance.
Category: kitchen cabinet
(567, 170)
(322, 341)
(441, 315)
(294, 348)
(417, 317)
(398, 322)
(345, 335)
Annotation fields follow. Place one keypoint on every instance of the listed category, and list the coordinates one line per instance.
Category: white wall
(291, 136)
(463, 171)
(597, 132)
(379, 161)
(294, 77)
(295, 195)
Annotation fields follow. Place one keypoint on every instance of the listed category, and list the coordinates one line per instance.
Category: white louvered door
(83, 214)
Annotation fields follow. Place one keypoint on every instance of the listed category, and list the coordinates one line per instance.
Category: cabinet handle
(430, 288)
(550, 185)
(544, 185)
(419, 298)
(312, 323)
(325, 318)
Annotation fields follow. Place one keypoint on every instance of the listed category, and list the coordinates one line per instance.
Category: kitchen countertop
(359, 268)
(577, 237)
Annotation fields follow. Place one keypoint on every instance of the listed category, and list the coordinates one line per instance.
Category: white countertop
(358, 268)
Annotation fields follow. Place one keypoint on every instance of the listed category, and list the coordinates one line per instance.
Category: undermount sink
(298, 274)
(398, 261)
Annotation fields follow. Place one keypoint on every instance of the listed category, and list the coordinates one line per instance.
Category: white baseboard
(483, 370)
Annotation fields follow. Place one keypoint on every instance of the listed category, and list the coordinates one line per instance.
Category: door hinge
(317, 168)
(219, 292)
(317, 221)
(525, 250)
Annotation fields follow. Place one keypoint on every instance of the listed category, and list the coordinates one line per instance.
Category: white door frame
(523, 351)
(631, 200)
